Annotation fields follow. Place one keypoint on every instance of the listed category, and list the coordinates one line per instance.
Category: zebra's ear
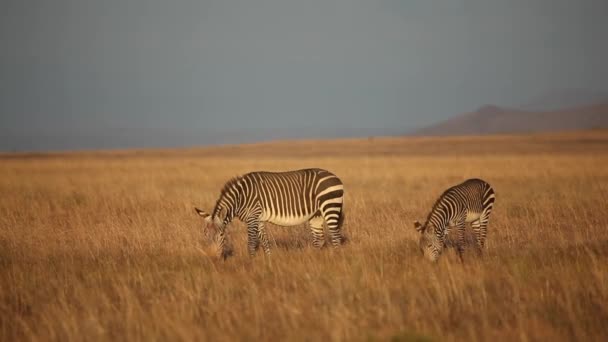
(201, 213)
(419, 227)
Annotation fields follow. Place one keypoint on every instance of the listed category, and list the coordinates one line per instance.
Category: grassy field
(106, 245)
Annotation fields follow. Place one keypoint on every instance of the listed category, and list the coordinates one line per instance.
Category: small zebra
(468, 202)
(283, 198)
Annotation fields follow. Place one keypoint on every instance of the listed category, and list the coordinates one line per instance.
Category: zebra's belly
(285, 220)
(472, 216)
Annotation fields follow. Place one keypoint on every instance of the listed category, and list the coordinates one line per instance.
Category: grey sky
(129, 73)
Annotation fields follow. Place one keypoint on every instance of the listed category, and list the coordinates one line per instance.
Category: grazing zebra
(283, 198)
(470, 202)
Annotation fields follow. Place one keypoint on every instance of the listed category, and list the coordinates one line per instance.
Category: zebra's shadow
(291, 238)
(469, 239)
(290, 244)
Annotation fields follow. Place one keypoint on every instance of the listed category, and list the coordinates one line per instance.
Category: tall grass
(106, 246)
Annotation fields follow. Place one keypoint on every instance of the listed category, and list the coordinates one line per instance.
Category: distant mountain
(492, 120)
(565, 98)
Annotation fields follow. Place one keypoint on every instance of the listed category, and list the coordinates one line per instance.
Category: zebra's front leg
(223, 250)
(461, 241)
(263, 238)
(252, 237)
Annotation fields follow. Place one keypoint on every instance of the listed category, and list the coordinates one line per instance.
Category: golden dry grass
(106, 246)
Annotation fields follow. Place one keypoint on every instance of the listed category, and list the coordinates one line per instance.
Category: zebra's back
(471, 197)
(293, 197)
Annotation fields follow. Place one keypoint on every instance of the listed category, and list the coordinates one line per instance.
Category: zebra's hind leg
(476, 225)
(263, 238)
(481, 229)
(253, 241)
(460, 226)
(334, 218)
(476, 229)
(316, 227)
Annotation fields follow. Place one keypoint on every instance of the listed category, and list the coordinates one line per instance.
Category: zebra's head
(430, 245)
(214, 230)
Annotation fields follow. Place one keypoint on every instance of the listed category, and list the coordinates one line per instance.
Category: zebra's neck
(439, 217)
(229, 202)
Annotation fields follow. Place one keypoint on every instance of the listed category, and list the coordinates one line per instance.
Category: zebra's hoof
(226, 254)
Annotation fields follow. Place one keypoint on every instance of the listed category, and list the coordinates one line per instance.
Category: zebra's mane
(227, 186)
(437, 202)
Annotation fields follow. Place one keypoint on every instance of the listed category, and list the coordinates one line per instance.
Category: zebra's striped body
(468, 202)
(283, 198)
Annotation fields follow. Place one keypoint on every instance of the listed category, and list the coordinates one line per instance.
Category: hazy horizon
(122, 74)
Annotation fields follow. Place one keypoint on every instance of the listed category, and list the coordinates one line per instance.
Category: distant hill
(493, 119)
(565, 98)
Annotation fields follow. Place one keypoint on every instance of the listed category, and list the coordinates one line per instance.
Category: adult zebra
(469, 202)
(283, 198)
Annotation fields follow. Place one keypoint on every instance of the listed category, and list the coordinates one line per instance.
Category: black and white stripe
(468, 202)
(282, 198)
